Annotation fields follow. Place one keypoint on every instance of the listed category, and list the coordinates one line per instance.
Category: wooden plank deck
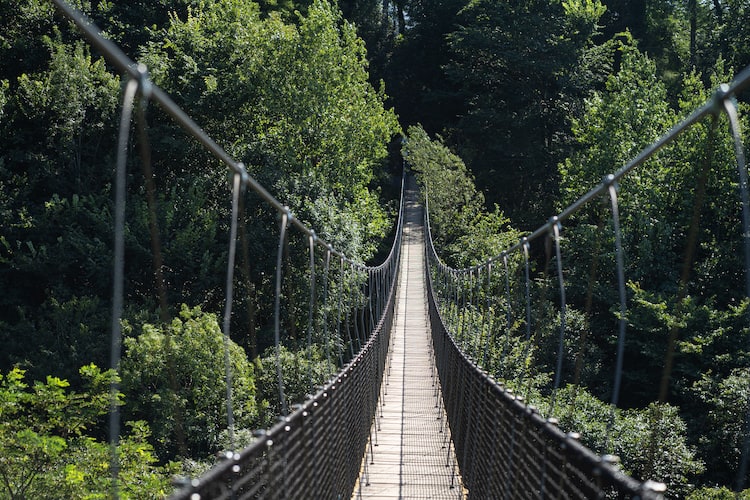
(412, 456)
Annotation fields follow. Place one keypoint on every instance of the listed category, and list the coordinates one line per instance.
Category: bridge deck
(412, 456)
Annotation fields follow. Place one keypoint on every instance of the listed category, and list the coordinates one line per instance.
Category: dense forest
(510, 111)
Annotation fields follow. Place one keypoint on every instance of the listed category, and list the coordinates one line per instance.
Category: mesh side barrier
(505, 448)
(316, 451)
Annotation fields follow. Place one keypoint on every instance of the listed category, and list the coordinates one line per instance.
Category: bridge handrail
(252, 471)
(716, 105)
(297, 443)
(722, 101)
(518, 454)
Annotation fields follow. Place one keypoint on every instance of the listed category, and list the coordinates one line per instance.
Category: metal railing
(506, 449)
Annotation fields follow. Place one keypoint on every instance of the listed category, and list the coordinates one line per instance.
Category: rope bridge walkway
(411, 411)
(412, 456)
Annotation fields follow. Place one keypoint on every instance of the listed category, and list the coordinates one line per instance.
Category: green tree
(722, 493)
(57, 124)
(522, 70)
(46, 450)
(686, 308)
(464, 233)
(378, 24)
(415, 73)
(174, 378)
(651, 442)
(724, 412)
(303, 371)
(662, 29)
(722, 33)
(666, 205)
(294, 103)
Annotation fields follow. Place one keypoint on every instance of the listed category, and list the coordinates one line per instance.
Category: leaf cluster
(464, 233)
(46, 446)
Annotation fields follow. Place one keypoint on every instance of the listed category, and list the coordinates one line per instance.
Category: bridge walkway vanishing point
(411, 455)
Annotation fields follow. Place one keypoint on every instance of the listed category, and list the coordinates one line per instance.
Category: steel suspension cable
(488, 315)
(468, 305)
(362, 301)
(619, 255)
(371, 288)
(311, 240)
(327, 340)
(228, 303)
(285, 216)
(351, 322)
(556, 227)
(730, 106)
(118, 278)
(509, 316)
(340, 340)
(482, 317)
(144, 151)
(527, 347)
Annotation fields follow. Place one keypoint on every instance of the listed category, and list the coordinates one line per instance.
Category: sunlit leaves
(651, 442)
(463, 231)
(44, 444)
(174, 377)
(292, 101)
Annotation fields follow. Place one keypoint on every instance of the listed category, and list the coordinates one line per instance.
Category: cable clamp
(145, 87)
(554, 221)
(288, 213)
(242, 170)
(717, 101)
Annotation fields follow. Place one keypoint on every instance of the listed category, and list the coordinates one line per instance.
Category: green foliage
(4, 85)
(29, 440)
(297, 368)
(57, 125)
(723, 493)
(292, 101)
(724, 403)
(464, 233)
(681, 36)
(651, 442)
(657, 204)
(514, 88)
(516, 67)
(45, 446)
(617, 124)
(85, 471)
(21, 49)
(415, 71)
(654, 442)
(669, 213)
(288, 95)
(174, 377)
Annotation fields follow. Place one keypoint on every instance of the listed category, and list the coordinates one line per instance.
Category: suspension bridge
(414, 411)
